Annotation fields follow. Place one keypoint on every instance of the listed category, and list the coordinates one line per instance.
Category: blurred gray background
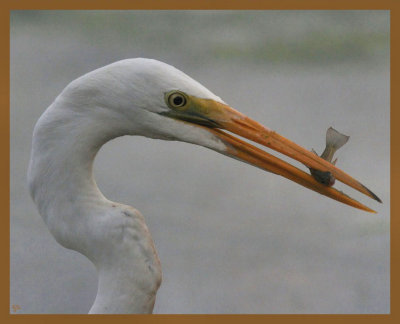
(233, 239)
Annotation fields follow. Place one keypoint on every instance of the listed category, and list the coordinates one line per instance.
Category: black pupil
(178, 100)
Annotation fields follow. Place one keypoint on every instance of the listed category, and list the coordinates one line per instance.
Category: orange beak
(217, 117)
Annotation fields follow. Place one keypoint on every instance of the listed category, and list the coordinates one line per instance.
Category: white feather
(120, 99)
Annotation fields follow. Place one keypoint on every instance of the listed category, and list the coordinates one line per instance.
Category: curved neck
(60, 173)
(113, 236)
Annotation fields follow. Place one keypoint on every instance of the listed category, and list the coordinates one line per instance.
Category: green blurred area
(274, 36)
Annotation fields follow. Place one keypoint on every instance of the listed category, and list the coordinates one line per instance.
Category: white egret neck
(124, 98)
(113, 236)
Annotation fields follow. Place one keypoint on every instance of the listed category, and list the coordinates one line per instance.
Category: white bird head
(152, 99)
(156, 100)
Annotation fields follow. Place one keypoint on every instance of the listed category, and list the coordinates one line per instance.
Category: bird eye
(176, 100)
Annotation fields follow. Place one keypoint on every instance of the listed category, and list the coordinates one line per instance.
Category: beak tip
(372, 195)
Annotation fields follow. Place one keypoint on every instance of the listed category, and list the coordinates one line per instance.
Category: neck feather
(113, 236)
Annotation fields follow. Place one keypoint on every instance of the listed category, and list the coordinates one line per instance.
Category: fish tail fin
(335, 139)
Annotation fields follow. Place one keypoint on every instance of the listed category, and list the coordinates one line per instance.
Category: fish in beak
(334, 141)
(223, 121)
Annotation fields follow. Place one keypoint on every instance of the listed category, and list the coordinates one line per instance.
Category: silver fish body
(334, 141)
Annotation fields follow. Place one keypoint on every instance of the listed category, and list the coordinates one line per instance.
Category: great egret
(153, 99)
